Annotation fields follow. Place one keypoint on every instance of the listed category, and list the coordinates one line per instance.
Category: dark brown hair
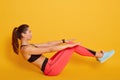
(16, 34)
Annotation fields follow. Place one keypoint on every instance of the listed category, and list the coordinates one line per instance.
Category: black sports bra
(32, 57)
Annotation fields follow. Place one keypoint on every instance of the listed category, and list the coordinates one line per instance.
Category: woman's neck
(24, 42)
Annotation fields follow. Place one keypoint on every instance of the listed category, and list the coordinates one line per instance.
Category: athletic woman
(64, 49)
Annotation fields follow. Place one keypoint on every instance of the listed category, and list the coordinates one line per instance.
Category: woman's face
(28, 34)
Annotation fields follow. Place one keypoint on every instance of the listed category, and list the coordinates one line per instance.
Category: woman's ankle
(99, 55)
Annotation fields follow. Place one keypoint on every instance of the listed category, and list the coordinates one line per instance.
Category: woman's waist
(39, 62)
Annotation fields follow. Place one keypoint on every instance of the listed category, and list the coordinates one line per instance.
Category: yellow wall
(95, 23)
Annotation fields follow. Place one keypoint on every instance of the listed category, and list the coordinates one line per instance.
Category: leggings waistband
(44, 64)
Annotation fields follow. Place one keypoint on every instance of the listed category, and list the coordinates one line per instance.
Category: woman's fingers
(78, 43)
(73, 39)
(72, 45)
(70, 40)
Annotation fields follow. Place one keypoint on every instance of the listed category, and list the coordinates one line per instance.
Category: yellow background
(95, 23)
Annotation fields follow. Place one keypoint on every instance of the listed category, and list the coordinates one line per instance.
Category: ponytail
(15, 43)
(16, 34)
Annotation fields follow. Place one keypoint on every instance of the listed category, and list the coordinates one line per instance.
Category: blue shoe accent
(106, 56)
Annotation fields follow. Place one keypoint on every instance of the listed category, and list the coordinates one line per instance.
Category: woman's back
(32, 58)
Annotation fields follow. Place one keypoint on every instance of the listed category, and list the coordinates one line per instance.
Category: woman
(53, 66)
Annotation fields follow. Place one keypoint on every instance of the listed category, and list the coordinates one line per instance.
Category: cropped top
(33, 57)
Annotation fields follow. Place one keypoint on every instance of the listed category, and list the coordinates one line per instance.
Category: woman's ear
(23, 35)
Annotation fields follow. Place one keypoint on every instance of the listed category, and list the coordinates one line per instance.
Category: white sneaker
(106, 56)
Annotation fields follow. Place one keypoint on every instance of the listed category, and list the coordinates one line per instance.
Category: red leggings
(57, 63)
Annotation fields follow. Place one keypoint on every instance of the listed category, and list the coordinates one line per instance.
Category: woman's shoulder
(25, 48)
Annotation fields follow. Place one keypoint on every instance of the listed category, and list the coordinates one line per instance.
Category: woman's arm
(61, 47)
(51, 43)
(33, 50)
(54, 43)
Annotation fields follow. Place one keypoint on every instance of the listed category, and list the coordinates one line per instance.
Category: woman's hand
(61, 47)
(70, 40)
(72, 45)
